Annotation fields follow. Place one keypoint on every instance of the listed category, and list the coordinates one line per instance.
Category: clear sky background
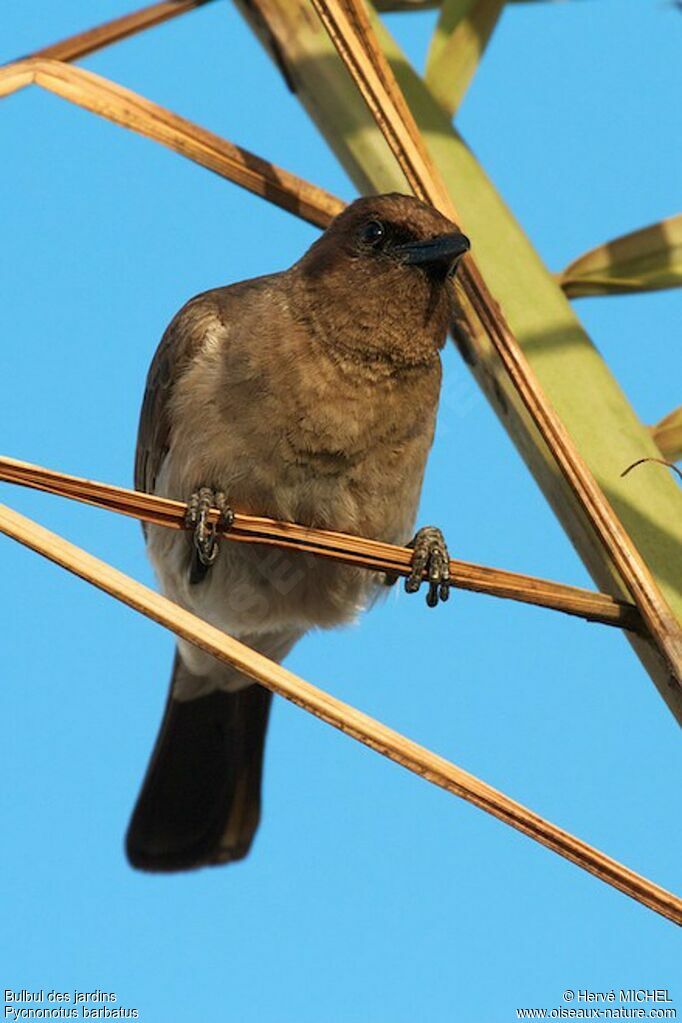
(370, 896)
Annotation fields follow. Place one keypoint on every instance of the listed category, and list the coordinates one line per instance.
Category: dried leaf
(346, 718)
(351, 550)
(120, 28)
(122, 106)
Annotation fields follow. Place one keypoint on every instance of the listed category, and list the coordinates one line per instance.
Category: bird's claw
(205, 532)
(430, 561)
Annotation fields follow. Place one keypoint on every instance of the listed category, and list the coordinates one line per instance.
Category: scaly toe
(205, 532)
(430, 560)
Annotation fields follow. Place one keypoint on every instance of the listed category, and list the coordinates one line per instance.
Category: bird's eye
(373, 233)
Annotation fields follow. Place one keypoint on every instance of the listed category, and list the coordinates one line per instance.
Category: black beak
(445, 249)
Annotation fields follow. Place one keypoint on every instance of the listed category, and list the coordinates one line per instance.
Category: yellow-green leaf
(668, 435)
(646, 260)
(459, 41)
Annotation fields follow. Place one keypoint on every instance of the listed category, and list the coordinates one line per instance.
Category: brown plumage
(308, 395)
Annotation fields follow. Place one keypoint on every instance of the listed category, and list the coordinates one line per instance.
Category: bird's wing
(211, 311)
(180, 342)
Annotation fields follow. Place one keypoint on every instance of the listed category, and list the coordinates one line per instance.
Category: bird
(308, 395)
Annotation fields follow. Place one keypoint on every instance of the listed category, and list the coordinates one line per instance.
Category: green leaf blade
(462, 34)
(649, 259)
(668, 435)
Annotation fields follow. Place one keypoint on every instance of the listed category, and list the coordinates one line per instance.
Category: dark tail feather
(200, 801)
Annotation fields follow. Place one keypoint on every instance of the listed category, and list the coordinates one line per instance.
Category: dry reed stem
(352, 550)
(354, 39)
(120, 28)
(342, 716)
(130, 110)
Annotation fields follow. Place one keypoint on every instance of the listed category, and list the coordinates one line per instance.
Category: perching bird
(308, 396)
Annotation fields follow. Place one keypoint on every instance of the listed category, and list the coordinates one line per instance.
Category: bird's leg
(430, 556)
(205, 532)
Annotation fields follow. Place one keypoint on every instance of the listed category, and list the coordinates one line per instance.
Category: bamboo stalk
(93, 39)
(577, 498)
(130, 110)
(340, 715)
(352, 550)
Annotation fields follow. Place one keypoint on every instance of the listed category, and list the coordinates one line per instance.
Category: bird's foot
(205, 532)
(430, 562)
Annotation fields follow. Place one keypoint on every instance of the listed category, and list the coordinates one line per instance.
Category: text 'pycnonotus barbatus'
(309, 396)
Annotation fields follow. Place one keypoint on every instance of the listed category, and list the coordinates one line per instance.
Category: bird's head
(382, 274)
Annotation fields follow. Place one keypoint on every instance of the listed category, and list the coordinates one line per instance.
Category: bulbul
(309, 396)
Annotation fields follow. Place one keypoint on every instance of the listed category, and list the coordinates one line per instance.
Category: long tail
(200, 801)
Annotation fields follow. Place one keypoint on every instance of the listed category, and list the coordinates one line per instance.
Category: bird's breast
(296, 440)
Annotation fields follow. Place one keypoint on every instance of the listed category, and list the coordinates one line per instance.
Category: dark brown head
(379, 279)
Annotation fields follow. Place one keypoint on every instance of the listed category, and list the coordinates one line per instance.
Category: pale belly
(254, 589)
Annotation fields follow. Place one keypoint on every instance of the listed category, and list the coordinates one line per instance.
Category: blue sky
(369, 896)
